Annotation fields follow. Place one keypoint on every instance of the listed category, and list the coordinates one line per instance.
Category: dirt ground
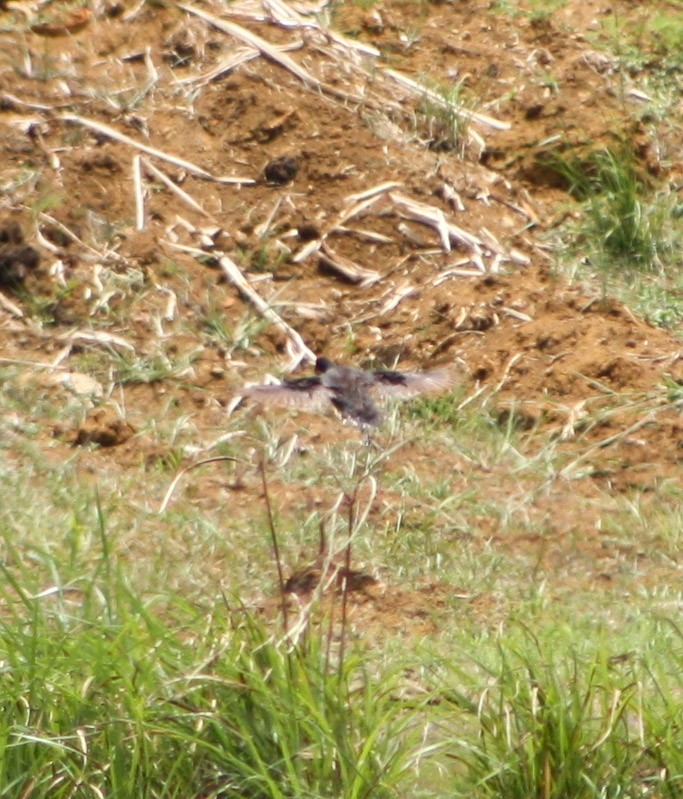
(267, 164)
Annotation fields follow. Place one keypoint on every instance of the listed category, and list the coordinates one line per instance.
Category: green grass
(625, 225)
(626, 230)
(131, 668)
(110, 692)
(548, 716)
(445, 110)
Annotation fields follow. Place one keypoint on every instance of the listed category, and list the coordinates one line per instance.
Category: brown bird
(352, 391)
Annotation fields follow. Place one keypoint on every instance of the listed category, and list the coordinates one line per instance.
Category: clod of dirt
(96, 161)
(16, 258)
(64, 24)
(15, 263)
(180, 49)
(11, 233)
(308, 232)
(105, 427)
(304, 581)
(281, 170)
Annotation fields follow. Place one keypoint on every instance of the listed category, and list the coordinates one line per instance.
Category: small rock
(281, 170)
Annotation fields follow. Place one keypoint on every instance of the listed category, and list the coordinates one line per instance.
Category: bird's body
(352, 391)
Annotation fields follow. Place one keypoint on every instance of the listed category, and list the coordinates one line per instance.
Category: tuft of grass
(625, 225)
(447, 117)
(108, 692)
(273, 720)
(151, 369)
(558, 721)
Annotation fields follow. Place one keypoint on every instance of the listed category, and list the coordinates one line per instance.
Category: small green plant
(541, 11)
(570, 727)
(624, 223)
(446, 112)
(666, 31)
(150, 369)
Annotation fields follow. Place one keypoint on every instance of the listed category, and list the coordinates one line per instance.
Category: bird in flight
(353, 392)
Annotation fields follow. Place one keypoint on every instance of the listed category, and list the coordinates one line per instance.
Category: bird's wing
(407, 384)
(307, 394)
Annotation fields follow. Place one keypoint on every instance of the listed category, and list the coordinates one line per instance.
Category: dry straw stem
(347, 268)
(253, 40)
(434, 217)
(183, 195)
(138, 193)
(239, 57)
(112, 133)
(94, 253)
(183, 472)
(357, 204)
(275, 54)
(437, 99)
(97, 337)
(297, 349)
(7, 305)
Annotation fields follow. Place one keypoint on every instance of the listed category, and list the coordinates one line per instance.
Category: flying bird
(353, 392)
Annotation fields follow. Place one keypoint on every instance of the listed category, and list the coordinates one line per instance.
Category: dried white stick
(296, 346)
(443, 276)
(368, 235)
(252, 39)
(98, 337)
(183, 195)
(398, 294)
(262, 230)
(307, 250)
(11, 99)
(351, 44)
(523, 317)
(286, 16)
(433, 216)
(381, 188)
(426, 214)
(151, 69)
(145, 148)
(506, 373)
(7, 305)
(21, 362)
(139, 194)
(348, 213)
(68, 232)
(347, 268)
(435, 97)
(241, 56)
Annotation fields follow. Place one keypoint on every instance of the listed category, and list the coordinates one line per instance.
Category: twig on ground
(112, 133)
(183, 195)
(183, 472)
(139, 194)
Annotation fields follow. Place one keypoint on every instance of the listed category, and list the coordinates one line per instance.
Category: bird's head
(322, 365)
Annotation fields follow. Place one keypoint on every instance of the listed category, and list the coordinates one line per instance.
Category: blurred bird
(352, 391)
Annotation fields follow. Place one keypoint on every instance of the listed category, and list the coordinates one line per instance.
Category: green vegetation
(625, 224)
(446, 111)
(627, 228)
(127, 671)
(115, 689)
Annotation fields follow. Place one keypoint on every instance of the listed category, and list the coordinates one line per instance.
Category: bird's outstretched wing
(389, 383)
(307, 393)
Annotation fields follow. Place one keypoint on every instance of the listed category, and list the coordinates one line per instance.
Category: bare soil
(552, 357)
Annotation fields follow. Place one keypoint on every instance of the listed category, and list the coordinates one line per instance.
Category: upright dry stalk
(273, 538)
